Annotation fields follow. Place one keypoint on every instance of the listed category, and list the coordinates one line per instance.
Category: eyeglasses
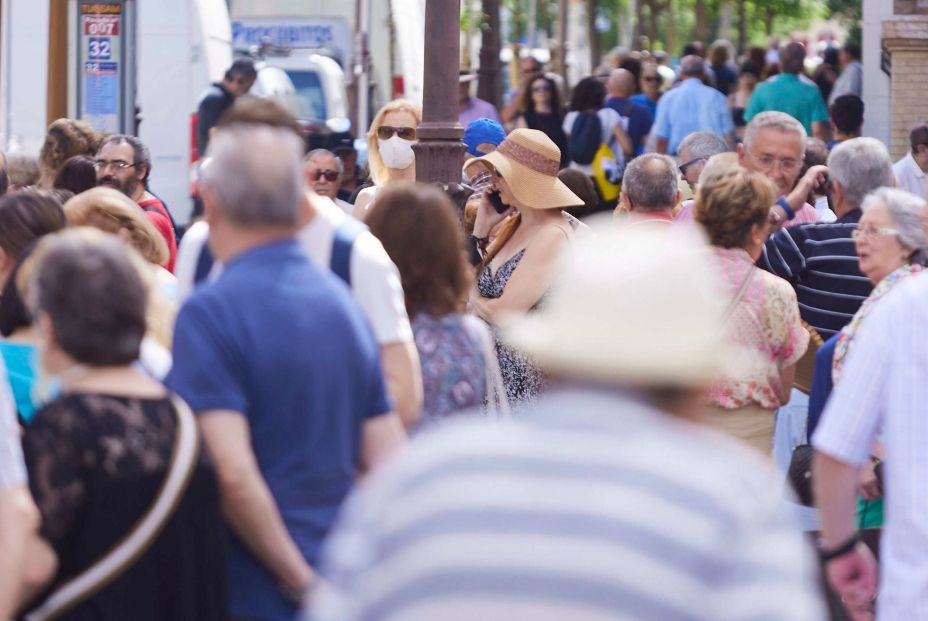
(116, 164)
(385, 132)
(682, 167)
(872, 231)
(541, 89)
(330, 175)
(652, 78)
(767, 164)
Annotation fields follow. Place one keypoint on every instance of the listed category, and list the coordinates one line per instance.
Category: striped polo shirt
(593, 507)
(821, 263)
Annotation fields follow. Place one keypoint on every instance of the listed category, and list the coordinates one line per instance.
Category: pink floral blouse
(766, 329)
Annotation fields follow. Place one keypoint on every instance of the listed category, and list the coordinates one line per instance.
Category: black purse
(799, 474)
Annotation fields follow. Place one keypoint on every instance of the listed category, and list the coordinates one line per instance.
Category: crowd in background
(611, 415)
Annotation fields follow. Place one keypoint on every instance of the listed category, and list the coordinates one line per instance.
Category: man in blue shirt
(282, 369)
(621, 86)
(691, 107)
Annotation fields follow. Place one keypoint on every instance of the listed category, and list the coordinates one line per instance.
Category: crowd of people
(340, 394)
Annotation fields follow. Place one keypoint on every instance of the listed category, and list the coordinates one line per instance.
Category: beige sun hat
(528, 160)
(631, 307)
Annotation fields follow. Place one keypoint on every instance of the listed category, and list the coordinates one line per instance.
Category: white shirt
(909, 176)
(375, 281)
(885, 391)
(345, 206)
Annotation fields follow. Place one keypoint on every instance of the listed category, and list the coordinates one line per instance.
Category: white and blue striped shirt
(884, 390)
(594, 507)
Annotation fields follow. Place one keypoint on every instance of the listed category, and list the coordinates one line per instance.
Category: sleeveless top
(521, 377)
(551, 124)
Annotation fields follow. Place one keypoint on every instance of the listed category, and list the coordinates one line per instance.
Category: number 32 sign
(99, 48)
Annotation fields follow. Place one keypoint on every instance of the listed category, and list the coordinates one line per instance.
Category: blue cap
(483, 132)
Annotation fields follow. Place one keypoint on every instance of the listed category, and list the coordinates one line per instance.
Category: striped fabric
(884, 390)
(821, 263)
(12, 467)
(595, 508)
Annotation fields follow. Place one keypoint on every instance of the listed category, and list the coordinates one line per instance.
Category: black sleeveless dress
(552, 125)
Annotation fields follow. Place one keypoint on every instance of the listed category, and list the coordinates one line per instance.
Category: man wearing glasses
(124, 163)
(820, 259)
(323, 171)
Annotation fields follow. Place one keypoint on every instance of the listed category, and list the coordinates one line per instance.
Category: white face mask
(396, 152)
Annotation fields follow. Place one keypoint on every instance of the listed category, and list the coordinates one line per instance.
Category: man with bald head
(691, 107)
(637, 118)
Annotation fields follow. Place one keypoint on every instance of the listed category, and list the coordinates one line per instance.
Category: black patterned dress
(522, 378)
(96, 463)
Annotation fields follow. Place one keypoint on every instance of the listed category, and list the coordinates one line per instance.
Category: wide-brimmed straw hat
(636, 307)
(528, 160)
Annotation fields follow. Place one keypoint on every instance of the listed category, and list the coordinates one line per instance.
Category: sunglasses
(385, 132)
(330, 175)
(541, 89)
(682, 167)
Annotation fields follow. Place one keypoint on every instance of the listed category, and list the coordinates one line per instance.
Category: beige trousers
(751, 424)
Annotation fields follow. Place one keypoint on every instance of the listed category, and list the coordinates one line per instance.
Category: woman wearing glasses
(390, 155)
(892, 247)
(541, 105)
(650, 85)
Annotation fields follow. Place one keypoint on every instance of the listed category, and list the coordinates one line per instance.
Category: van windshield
(310, 99)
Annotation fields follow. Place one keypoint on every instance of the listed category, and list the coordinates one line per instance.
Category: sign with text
(102, 66)
(294, 33)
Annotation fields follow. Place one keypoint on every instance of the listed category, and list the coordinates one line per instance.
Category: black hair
(847, 113)
(589, 94)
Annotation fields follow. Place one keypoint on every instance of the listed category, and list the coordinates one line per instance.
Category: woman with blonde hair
(520, 263)
(115, 213)
(762, 313)
(390, 155)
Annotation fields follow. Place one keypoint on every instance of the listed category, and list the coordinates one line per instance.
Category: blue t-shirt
(639, 120)
(642, 100)
(285, 344)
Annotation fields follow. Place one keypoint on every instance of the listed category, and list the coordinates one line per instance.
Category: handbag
(137, 541)
(799, 474)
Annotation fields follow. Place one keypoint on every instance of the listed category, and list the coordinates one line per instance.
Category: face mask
(396, 152)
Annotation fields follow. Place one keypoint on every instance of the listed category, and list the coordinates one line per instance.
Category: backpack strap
(204, 264)
(345, 234)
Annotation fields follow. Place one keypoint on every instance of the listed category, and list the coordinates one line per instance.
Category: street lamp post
(439, 152)
(490, 87)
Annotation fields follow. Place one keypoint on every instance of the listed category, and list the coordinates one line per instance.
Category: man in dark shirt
(620, 86)
(820, 260)
(218, 97)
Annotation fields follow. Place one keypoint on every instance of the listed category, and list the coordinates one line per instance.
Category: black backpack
(585, 137)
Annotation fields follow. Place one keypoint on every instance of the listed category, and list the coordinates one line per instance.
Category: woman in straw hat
(762, 314)
(519, 265)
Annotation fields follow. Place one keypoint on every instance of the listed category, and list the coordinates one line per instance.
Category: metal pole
(490, 86)
(562, 35)
(439, 152)
(532, 20)
(362, 66)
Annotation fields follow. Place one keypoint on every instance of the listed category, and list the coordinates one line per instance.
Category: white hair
(906, 210)
(779, 121)
(861, 166)
(255, 173)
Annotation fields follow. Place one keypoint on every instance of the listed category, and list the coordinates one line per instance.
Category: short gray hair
(691, 66)
(860, 165)
(255, 173)
(703, 145)
(906, 210)
(650, 182)
(339, 165)
(779, 121)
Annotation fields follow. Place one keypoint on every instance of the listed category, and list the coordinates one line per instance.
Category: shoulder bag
(137, 541)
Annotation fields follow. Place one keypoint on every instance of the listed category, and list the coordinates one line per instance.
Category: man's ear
(624, 203)
(741, 153)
